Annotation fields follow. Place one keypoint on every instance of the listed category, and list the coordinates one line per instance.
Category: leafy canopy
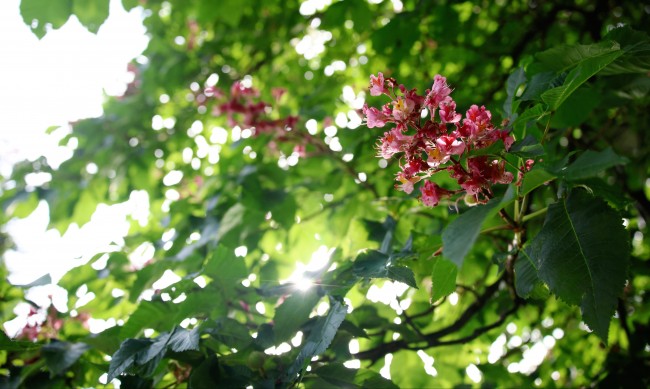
(252, 130)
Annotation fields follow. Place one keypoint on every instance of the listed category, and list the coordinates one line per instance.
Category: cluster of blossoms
(443, 142)
(244, 108)
(251, 112)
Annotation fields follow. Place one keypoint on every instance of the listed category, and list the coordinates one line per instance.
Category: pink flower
(439, 90)
(402, 108)
(393, 142)
(450, 145)
(448, 111)
(374, 117)
(407, 182)
(277, 93)
(431, 194)
(377, 87)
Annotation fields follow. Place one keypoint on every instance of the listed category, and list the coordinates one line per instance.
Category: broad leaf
(582, 254)
(517, 78)
(225, 268)
(293, 313)
(590, 163)
(183, 340)
(54, 12)
(15, 345)
(59, 356)
(565, 57)
(443, 278)
(459, 237)
(578, 76)
(91, 13)
(525, 274)
(126, 356)
(320, 337)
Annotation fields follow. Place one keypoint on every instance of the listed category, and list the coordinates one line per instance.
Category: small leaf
(582, 254)
(293, 313)
(443, 278)
(590, 163)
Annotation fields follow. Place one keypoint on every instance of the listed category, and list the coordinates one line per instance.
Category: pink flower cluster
(443, 142)
(243, 108)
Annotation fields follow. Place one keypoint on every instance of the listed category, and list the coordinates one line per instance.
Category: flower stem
(534, 214)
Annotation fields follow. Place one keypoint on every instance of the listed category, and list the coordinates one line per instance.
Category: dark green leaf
(534, 179)
(578, 76)
(525, 274)
(59, 356)
(402, 274)
(590, 163)
(11, 345)
(126, 356)
(183, 340)
(528, 147)
(562, 58)
(516, 79)
(582, 254)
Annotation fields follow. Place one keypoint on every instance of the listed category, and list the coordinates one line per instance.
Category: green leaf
(528, 147)
(517, 78)
(126, 356)
(226, 269)
(11, 345)
(636, 45)
(525, 274)
(459, 237)
(578, 76)
(42, 12)
(91, 13)
(293, 313)
(59, 356)
(43, 280)
(183, 340)
(562, 58)
(371, 264)
(582, 254)
(535, 112)
(402, 274)
(576, 109)
(590, 163)
(320, 337)
(24, 204)
(443, 278)
(230, 332)
(534, 179)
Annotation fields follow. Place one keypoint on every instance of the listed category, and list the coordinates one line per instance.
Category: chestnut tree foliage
(328, 231)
